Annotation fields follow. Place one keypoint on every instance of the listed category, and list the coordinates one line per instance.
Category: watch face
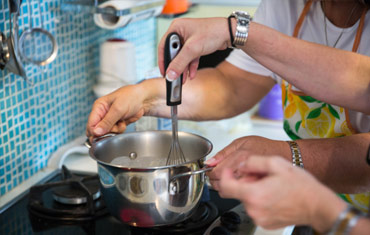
(243, 22)
(242, 16)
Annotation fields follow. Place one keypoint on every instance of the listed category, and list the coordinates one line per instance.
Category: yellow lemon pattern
(360, 201)
(321, 126)
(306, 118)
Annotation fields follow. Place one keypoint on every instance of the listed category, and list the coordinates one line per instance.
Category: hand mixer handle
(174, 88)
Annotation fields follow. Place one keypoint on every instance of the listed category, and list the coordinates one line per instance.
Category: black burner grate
(40, 202)
(203, 216)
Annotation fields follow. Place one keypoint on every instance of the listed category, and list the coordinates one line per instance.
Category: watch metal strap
(296, 154)
(242, 27)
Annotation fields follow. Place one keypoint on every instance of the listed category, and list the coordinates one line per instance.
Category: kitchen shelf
(133, 7)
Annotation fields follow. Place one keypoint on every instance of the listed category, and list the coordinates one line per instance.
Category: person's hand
(281, 194)
(113, 112)
(199, 37)
(239, 150)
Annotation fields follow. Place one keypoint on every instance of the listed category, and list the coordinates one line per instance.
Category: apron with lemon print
(306, 117)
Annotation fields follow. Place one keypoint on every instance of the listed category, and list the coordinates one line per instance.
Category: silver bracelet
(352, 223)
(338, 221)
(346, 221)
(296, 154)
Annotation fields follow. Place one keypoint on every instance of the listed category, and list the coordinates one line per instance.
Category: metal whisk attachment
(175, 156)
(174, 90)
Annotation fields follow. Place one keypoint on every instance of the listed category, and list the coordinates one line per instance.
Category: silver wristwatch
(242, 27)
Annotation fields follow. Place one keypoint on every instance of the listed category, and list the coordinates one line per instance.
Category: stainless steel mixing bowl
(137, 186)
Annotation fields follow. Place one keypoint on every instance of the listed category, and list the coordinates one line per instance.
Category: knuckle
(107, 123)
(96, 104)
(99, 101)
(277, 162)
(220, 155)
(99, 105)
(235, 142)
(270, 163)
(240, 142)
(115, 108)
(121, 127)
(194, 64)
(249, 200)
(191, 48)
(254, 200)
(175, 22)
(276, 159)
(114, 129)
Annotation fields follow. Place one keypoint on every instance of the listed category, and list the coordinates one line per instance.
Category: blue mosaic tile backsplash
(37, 119)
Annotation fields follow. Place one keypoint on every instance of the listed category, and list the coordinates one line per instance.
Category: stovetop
(19, 219)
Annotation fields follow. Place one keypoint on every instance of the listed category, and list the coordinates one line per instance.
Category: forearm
(215, 93)
(224, 92)
(209, 97)
(324, 208)
(319, 71)
(362, 227)
(338, 162)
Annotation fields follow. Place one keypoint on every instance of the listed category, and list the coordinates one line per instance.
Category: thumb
(107, 123)
(181, 62)
(220, 156)
(213, 161)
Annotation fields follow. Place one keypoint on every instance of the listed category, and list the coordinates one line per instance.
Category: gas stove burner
(76, 195)
(78, 190)
(74, 198)
(203, 216)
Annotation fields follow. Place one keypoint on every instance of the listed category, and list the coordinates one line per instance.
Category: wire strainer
(37, 45)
